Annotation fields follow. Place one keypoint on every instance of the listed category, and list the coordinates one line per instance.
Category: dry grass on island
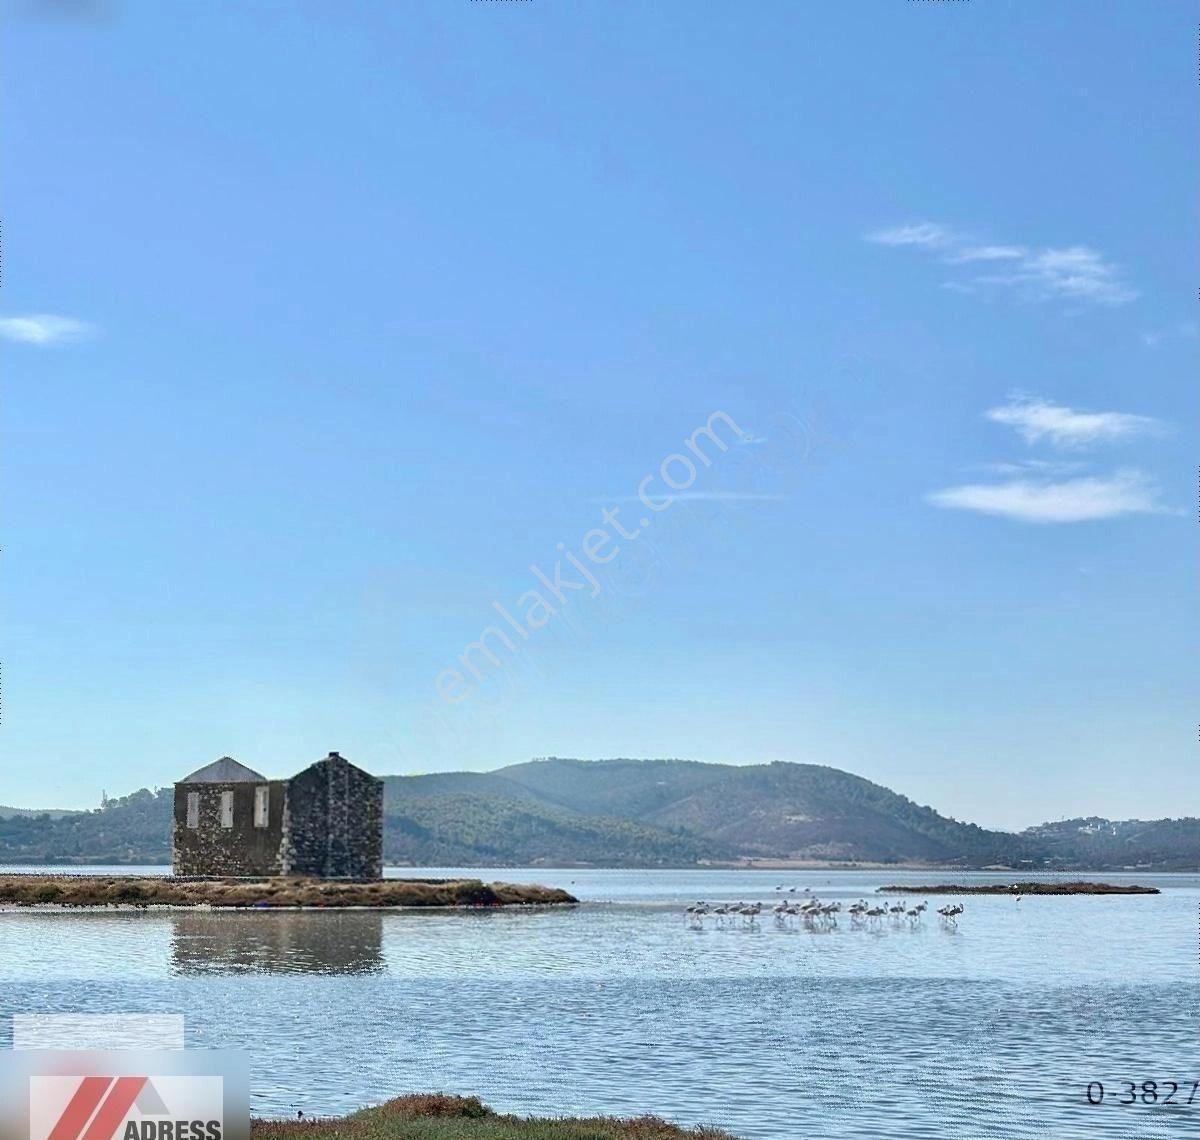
(436, 1117)
(1077, 888)
(265, 894)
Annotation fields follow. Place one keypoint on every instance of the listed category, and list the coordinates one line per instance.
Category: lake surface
(992, 1029)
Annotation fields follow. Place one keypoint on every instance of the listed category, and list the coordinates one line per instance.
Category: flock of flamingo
(814, 914)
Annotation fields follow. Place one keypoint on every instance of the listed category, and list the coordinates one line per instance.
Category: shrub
(420, 1105)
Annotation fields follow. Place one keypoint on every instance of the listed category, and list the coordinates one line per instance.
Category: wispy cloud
(1057, 490)
(1041, 467)
(42, 329)
(928, 234)
(1127, 492)
(1040, 420)
(1071, 273)
(989, 253)
(1076, 273)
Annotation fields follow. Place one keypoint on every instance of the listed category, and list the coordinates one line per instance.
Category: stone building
(326, 821)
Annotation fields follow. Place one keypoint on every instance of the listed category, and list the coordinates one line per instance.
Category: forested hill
(7, 812)
(645, 813)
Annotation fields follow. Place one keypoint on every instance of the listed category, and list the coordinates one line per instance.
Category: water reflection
(990, 1032)
(277, 942)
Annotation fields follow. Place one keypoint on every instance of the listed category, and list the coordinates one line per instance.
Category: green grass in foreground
(436, 1117)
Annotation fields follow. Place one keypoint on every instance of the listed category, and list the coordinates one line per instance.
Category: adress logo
(126, 1108)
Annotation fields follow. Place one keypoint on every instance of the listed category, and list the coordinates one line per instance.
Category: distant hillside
(458, 830)
(459, 818)
(798, 811)
(628, 789)
(15, 812)
(133, 829)
(645, 813)
(1170, 844)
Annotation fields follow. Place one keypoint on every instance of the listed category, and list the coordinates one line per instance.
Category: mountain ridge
(651, 813)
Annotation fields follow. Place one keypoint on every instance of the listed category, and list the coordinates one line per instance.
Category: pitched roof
(224, 771)
(336, 759)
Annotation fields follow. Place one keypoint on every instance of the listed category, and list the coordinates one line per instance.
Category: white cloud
(1038, 420)
(1055, 490)
(917, 233)
(1069, 273)
(989, 253)
(42, 329)
(1085, 499)
(1078, 273)
(1034, 466)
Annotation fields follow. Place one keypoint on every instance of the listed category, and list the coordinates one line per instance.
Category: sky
(323, 326)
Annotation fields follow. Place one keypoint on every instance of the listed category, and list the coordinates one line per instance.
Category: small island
(269, 893)
(1076, 888)
(243, 842)
(437, 1117)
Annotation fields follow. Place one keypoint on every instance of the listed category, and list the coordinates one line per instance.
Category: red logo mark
(102, 1100)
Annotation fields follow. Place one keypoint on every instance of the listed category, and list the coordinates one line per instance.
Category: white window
(193, 809)
(226, 809)
(262, 805)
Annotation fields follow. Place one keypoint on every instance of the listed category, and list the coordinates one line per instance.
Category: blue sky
(322, 326)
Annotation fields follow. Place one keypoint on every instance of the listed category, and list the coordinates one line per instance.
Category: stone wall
(333, 822)
(242, 849)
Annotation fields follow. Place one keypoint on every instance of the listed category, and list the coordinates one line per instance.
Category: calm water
(990, 1030)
